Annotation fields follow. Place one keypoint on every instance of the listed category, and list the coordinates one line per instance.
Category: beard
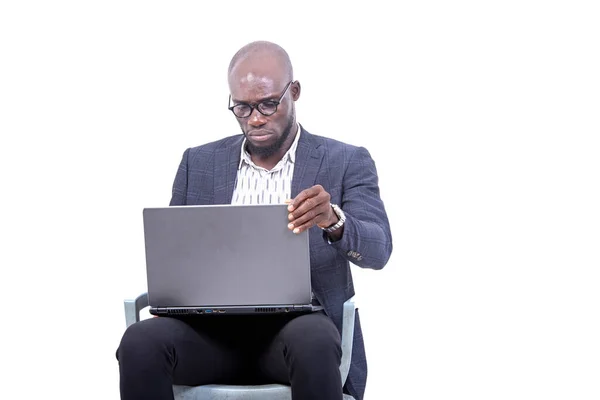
(268, 151)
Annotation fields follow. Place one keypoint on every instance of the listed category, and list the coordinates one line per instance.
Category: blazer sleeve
(367, 240)
(179, 194)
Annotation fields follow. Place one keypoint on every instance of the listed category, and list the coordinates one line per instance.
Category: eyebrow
(267, 98)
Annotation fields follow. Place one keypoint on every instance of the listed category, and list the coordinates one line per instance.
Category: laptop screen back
(225, 255)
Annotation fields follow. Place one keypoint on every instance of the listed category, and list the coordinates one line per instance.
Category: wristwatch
(342, 218)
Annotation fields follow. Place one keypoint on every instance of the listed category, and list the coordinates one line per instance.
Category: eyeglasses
(266, 108)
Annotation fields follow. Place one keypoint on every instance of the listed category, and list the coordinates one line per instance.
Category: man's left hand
(311, 207)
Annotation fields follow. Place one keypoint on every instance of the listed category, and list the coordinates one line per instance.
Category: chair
(256, 392)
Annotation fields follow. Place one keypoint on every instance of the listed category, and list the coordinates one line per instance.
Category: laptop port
(208, 311)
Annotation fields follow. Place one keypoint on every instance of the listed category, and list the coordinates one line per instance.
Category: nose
(256, 119)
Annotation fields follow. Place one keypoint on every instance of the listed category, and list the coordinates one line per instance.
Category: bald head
(261, 57)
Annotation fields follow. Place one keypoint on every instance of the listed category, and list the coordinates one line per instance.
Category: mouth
(259, 135)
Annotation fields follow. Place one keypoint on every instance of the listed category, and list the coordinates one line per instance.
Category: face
(254, 84)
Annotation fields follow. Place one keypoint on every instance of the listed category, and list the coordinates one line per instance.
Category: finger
(311, 218)
(302, 228)
(304, 195)
(317, 216)
(320, 200)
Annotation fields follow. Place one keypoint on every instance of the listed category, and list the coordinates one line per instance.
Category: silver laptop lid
(225, 255)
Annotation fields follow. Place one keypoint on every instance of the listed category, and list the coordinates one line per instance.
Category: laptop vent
(265, 309)
(176, 311)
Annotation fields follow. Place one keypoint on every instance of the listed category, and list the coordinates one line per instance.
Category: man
(332, 190)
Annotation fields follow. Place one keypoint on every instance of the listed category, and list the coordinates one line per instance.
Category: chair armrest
(347, 337)
(133, 308)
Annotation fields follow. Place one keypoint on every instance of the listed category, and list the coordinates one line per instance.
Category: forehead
(255, 79)
(252, 87)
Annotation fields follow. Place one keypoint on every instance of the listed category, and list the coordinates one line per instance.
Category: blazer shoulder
(335, 148)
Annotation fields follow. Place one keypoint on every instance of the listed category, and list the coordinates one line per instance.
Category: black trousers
(303, 351)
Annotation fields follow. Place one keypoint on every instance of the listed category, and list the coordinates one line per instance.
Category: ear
(295, 89)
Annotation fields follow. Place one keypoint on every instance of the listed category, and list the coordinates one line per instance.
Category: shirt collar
(289, 155)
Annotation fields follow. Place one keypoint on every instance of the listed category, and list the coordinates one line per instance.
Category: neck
(267, 163)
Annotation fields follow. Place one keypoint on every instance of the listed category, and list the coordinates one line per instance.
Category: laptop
(225, 259)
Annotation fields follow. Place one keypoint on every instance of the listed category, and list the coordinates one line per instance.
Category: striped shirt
(257, 185)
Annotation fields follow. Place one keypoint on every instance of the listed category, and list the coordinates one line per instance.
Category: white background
(482, 117)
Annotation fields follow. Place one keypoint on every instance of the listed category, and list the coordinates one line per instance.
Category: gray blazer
(207, 175)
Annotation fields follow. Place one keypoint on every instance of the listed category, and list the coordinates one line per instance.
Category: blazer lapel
(226, 165)
(309, 155)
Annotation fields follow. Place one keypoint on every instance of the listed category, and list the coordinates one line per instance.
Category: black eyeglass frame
(257, 105)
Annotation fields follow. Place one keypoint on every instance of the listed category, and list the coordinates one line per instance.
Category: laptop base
(234, 310)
